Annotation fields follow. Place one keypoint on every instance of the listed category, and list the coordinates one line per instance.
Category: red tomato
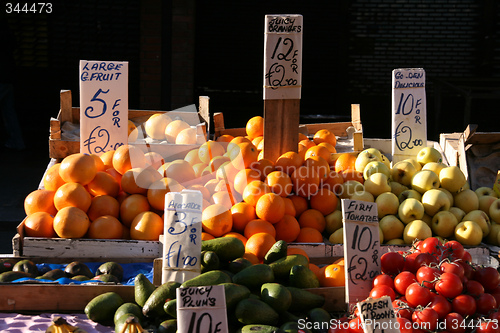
(425, 318)
(403, 280)
(383, 279)
(428, 276)
(416, 294)
(426, 259)
(474, 288)
(338, 326)
(467, 256)
(489, 277)
(410, 262)
(431, 245)
(485, 303)
(392, 263)
(449, 285)
(468, 269)
(401, 308)
(355, 325)
(488, 327)
(452, 267)
(382, 290)
(441, 305)
(454, 322)
(405, 325)
(453, 250)
(464, 305)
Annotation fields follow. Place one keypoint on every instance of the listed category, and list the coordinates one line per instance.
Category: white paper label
(283, 56)
(377, 315)
(103, 106)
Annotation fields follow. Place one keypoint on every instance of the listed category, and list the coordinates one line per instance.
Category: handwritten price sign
(201, 309)
(182, 236)
(361, 247)
(377, 315)
(103, 106)
(283, 56)
(409, 112)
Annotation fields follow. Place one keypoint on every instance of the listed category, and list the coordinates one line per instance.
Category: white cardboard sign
(201, 309)
(103, 106)
(361, 248)
(283, 56)
(377, 315)
(409, 112)
(182, 236)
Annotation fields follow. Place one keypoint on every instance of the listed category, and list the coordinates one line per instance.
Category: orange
(39, 224)
(257, 141)
(138, 180)
(280, 183)
(351, 174)
(103, 184)
(328, 146)
(301, 204)
(270, 207)
(209, 150)
(288, 162)
(227, 171)
(305, 181)
(78, 168)
(333, 276)
(157, 191)
(72, 194)
(255, 127)
(173, 129)
(198, 169)
(52, 180)
(202, 189)
(259, 244)
(320, 165)
(217, 220)
(258, 226)
(302, 136)
(127, 157)
(103, 205)
(309, 235)
(146, 226)
(186, 137)
(296, 250)
(236, 141)
(224, 138)
(99, 164)
(333, 182)
(106, 227)
(302, 151)
(289, 207)
(287, 229)
(107, 159)
(223, 198)
(217, 162)
(324, 200)
(116, 175)
(252, 258)
(211, 184)
(71, 222)
(324, 135)
(318, 151)
(316, 270)
(154, 160)
(307, 143)
(339, 261)
(242, 214)
(40, 201)
(263, 166)
(131, 207)
(254, 190)
(312, 218)
(242, 238)
(180, 170)
(206, 236)
(345, 161)
(244, 155)
(192, 157)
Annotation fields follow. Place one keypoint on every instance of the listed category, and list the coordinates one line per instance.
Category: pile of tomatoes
(435, 288)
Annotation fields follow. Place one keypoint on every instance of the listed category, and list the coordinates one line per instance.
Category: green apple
(363, 196)
(429, 154)
(452, 178)
(484, 190)
(385, 160)
(424, 180)
(494, 212)
(374, 167)
(337, 237)
(409, 194)
(459, 213)
(416, 229)
(434, 166)
(377, 184)
(485, 202)
(391, 227)
(443, 224)
(365, 157)
(466, 200)
(449, 194)
(468, 233)
(333, 221)
(387, 204)
(396, 241)
(410, 209)
(413, 161)
(492, 237)
(481, 218)
(402, 172)
(349, 187)
(396, 187)
(435, 201)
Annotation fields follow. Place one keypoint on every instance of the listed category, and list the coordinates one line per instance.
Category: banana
(60, 325)
(132, 326)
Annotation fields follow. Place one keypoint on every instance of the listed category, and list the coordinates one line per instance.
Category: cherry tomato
(489, 277)
(474, 288)
(410, 262)
(449, 285)
(454, 322)
(432, 245)
(426, 259)
(468, 269)
(467, 256)
(488, 327)
(453, 250)
(383, 279)
(464, 305)
(495, 315)
(403, 280)
(452, 267)
(382, 290)
(441, 305)
(485, 303)
(338, 326)
(405, 325)
(428, 276)
(425, 318)
(355, 325)
(392, 263)
(416, 294)
(401, 308)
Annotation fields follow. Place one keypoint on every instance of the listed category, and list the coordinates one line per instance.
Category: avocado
(154, 304)
(208, 278)
(112, 268)
(26, 266)
(234, 293)
(101, 309)
(143, 288)
(282, 267)
(209, 261)
(303, 277)
(11, 276)
(304, 300)
(106, 278)
(253, 311)
(238, 264)
(54, 274)
(125, 320)
(227, 248)
(277, 296)
(170, 308)
(80, 278)
(259, 329)
(78, 268)
(131, 309)
(254, 276)
(7, 264)
(168, 326)
(277, 251)
(320, 320)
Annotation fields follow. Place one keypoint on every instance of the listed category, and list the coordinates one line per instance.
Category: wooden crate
(60, 147)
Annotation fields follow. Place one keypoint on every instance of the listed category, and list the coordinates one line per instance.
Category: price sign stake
(361, 248)
(201, 309)
(409, 113)
(182, 236)
(103, 106)
(377, 315)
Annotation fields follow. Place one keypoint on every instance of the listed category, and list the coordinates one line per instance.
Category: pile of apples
(422, 197)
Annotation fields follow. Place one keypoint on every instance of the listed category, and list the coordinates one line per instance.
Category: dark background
(349, 51)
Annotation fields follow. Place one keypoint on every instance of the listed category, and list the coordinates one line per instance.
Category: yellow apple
(402, 172)
(434, 201)
(452, 178)
(365, 157)
(396, 187)
(495, 211)
(466, 200)
(374, 167)
(481, 218)
(413, 161)
(434, 166)
(443, 224)
(409, 194)
(396, 241)
(387, 204)
(492, 237)
(416, 229)
(468, 233)
(333, 221)
(385, 160)
(485, 202)
(459, 213)
(337, 237)
(377, 184)
(424, 180)
(349, 187)
(429, 154)
(362, 196)
(410, 209)
(391, 227)
(484, 190)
